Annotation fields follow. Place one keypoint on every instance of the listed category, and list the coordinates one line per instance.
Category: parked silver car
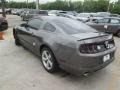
(66, 43)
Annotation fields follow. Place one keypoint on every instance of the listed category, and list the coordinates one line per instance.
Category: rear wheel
(118, 34)
(48, 60)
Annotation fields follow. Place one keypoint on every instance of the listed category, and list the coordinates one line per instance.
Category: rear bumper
(81, 71)
(87, 64)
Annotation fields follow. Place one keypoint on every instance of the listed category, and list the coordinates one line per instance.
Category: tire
(17, 41)
(48, 60)
(118, 34)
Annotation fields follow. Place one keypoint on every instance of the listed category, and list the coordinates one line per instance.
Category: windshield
(70, 26)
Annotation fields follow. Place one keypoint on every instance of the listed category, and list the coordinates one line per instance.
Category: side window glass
(114, 21)
(35, 23)
(49, 27)
(103, 21)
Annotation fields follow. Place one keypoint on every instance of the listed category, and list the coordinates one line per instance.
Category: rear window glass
(72, 26)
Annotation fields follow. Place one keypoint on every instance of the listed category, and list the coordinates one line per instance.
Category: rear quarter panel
(61, 45)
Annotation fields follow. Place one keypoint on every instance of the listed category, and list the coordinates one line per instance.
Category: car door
(101, 25)
(34, 25)
(24, 34)
(113, 26)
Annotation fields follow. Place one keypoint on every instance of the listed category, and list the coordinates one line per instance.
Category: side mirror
(24, 25)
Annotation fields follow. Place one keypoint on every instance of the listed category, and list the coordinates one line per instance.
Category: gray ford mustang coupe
(66, 43)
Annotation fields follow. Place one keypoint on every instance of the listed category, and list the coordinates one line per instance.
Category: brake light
(91, 48)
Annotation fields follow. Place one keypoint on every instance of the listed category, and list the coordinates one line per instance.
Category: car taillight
(91, 48)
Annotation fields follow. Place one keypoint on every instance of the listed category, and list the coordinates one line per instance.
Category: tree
(116, 7)
(88, 6)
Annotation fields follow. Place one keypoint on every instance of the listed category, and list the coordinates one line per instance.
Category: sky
(45, 1)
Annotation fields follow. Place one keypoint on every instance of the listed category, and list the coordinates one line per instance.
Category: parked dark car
(66, 43)
(108, 25)
(3, 24)
(31, 13)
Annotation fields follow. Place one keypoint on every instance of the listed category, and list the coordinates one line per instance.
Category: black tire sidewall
(17, 42)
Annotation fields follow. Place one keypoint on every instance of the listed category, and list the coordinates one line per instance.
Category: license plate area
(106, 58)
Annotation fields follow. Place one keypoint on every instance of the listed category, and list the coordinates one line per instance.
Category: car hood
(84, 36)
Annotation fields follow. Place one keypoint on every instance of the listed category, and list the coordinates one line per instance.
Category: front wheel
(48, 60)
(17, 41)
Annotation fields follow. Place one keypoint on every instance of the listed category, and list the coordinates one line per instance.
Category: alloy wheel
(47, 59)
